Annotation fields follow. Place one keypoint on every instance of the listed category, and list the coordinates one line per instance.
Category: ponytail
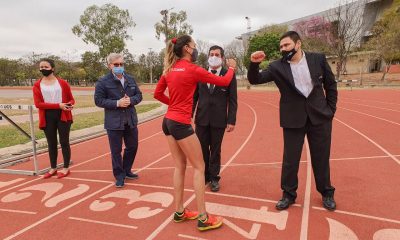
(174, 51)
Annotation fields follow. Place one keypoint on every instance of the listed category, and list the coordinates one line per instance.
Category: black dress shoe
(284, 203)
(329, 203)
(214, 186)
(131, 175)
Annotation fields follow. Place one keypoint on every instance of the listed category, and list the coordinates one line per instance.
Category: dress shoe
(329, 203)
(214, 186)
(131, 175)
(284, 203)
(61, 174)
(48, 174)
(119, 183)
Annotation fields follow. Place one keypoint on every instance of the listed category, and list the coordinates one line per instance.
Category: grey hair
(112, 56)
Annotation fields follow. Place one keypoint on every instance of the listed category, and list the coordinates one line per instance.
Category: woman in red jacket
(180, 76)
(54, 101)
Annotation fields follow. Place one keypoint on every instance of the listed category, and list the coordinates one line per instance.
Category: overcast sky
(44, 26)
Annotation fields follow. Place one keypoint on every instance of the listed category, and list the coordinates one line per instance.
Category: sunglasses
(118, 64)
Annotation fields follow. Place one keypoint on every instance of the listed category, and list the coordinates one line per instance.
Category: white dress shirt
(302, 76)
(217, 73)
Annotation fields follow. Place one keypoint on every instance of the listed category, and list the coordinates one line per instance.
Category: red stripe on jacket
(43, 106)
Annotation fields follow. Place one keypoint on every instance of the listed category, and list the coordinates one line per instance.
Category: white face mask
(214, 61)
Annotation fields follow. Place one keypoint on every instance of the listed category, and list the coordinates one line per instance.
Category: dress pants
(319, 139)
(122, 165)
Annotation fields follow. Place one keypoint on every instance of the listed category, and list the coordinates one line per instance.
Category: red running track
(365, 165)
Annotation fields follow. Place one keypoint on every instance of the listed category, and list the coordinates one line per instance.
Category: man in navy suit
(307, 106)
(118, 94)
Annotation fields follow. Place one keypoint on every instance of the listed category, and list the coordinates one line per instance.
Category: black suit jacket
(218, 108)
(295, 108)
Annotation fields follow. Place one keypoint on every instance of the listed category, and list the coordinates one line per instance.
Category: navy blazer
(108, 91)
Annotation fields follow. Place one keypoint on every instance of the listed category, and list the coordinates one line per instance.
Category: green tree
(92, 66)
(267, 42)
(172, 24)
(106, 27)
(386, 37)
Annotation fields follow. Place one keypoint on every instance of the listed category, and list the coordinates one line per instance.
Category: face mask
(195, 54)
(288, 55)
(46, 72)
(214, 61)
(118, 70)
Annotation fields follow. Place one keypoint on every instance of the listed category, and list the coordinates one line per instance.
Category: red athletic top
(181, 82)
(42, 106)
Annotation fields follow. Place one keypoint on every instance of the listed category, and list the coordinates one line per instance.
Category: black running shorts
(176, 129)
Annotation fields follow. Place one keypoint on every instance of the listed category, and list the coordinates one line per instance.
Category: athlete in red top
(180, 76)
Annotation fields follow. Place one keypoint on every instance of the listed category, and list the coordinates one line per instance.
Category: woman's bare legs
(190, 146)
(179, 173)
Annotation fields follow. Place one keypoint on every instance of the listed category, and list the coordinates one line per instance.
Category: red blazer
(42, 106)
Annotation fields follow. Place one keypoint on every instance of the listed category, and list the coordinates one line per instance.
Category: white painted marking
(339, 231)
(387, 234)
(168, 220)
(151, 164)
(79, 190)
(103, 223)
(252, 234)
(48, 188)
(190, 237)
(373, 116)
(55, 214)
(16, 211)
(381, 108)
(4, 184)
(307, 195)
(373, 142)
(360, 215)
(365, 100)
(278, 219)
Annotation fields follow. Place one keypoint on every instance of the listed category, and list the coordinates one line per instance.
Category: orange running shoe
(187, 214)
(210, 222)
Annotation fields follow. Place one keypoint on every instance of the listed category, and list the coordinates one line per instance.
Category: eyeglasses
(118, 64)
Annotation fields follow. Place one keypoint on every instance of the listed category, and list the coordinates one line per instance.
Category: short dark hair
(215, 47)
(50, 61)
(292, 35)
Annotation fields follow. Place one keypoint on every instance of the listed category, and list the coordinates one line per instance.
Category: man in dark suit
(118, 94)
(216, 112)
(308, 103)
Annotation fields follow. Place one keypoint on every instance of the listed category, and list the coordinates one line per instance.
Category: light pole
(151, 65)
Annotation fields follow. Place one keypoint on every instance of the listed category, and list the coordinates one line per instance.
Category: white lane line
(372, 141)
(307, 196)
(190, 237)
(365, 100)
(103, 223)
(155, 162)
(72, 166)
(369, 115)
(56, 213)
(16, 211)
(365, 105)
(360, 215)
(168, 220)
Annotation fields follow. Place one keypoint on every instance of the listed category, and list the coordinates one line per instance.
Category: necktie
(212, 85)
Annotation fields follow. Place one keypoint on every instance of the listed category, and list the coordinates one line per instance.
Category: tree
(92, 66)
(386, 37)
(172, 24)
(267, 42)
(346, 29)
(106, 27)
(235, 50)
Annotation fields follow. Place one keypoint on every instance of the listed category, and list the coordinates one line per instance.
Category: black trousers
(54, 124)
(122, 165)
(319, 139)
(211, 140)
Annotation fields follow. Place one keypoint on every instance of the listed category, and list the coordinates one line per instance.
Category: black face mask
(195, 54)
(288, 55)
(46, 72)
